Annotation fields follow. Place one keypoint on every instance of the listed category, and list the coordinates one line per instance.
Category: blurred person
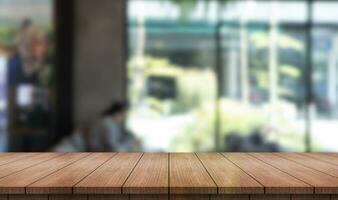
(29, 59)
(106, 135)
(25, 72)
(32, 47)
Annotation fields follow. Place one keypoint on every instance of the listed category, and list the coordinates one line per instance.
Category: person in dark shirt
(16, 75)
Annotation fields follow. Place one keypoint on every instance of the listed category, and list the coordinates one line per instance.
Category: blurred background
(169, 75)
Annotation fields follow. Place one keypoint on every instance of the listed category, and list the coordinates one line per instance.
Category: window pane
(173, 10)
(262, 73)
(325, 11)
(26, 54)
(324, 109)
(263, 103)
(260, 11)
(171, 80)
(324, 126)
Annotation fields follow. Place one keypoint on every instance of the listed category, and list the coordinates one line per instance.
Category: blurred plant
(187, 6)
(6, 38)
(196, 93)
(289, 73)
(237, 118)
(196, 98)
(194, 87)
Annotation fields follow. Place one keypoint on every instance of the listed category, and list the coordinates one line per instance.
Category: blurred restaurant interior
(169, 75)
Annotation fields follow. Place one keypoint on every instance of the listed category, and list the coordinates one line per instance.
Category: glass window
(324, 110)
(325, 11)
(26, 54)
(172, 85)
(261, 57)
(263, 61)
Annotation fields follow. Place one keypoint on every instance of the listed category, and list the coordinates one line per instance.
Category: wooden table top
(168, 173)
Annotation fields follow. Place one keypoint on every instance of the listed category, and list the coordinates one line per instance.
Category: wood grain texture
(28, 197)
(270, 197)
(16, 183)
(190, 197)
(224, 176)
(16, 166)
(149, 197)
(188, 176)
(310, 197)
(68, 197)
(110, 177)
(3, 197)
(108, 197)
(11, 157)
(62, 181)
(325, 157)
(229, 178)
(150, 176)
(322, 182)
(229, 197)
(313, 163)
(274, 180)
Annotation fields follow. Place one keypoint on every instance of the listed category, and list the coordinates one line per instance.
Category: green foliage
(259, 62)
(196, 95)
(237, 118)
(260, 40)
(289, 70)
(187, 6)
(194, 87)
(6, 36)
(197, 98)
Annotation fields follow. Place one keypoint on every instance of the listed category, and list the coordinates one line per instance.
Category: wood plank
(274, 180)
(310, 197)
(150, 175)
(189, 197)
(328, 153)
(68, 197)
(27, 197)
(3, 197)
(149, 197)
(334, 197)
(270, 197)
(108, 197)
(311, 162)
(16, 166)
(188, 176)
(325, 157)
(229, 197)
(62, 181)
(110, 177)
(16, 183)
(229, 178)
(11, 157)
(323, 183)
